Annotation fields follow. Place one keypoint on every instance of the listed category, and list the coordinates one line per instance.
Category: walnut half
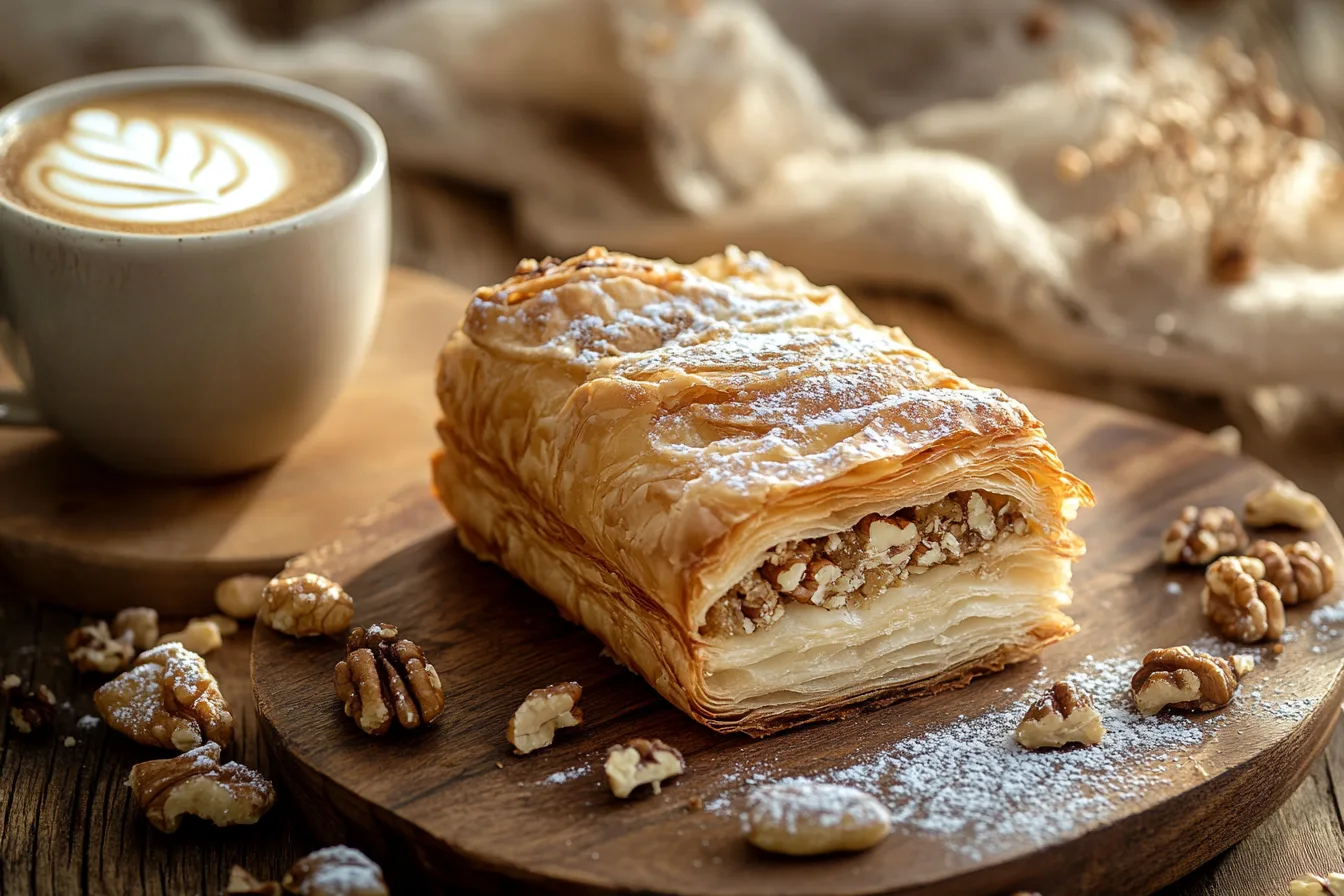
(642, 761)
(544, 710)
(31, 711)
(1301, 571)
(196, 784)
(1282, 503)
(336, 871)
(1180, 678)
(807, 818)
(167, 699)
(306, 606)
(91, 648)
(1240, 604)
(383, 678)
(1063, 715)
(1199, 536)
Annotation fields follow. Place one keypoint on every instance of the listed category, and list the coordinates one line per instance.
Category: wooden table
(67, 824)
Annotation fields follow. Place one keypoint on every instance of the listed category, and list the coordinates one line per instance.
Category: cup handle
(17, 407)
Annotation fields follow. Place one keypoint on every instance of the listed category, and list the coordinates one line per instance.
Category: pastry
(772, 509)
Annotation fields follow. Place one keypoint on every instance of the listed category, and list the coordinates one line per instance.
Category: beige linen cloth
(907, 145)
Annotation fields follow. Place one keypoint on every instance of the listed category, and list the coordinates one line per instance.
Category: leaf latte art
(156, 171)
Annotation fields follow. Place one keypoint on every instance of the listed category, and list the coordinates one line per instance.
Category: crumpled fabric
(906, 146)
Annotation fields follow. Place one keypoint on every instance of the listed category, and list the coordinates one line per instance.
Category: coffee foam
(178, 160)
(160, 170)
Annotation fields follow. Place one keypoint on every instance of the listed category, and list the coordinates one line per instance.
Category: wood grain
(464, 806)
(97, 540)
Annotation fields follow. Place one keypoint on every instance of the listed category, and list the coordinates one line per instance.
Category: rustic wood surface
(97, 540)
(66, 825)
(465, 803)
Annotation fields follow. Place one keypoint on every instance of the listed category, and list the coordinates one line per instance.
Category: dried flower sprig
(1207, 155)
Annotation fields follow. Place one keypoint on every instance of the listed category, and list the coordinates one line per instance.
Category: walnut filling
(846, 568)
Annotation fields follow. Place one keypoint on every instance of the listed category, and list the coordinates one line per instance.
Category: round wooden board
(450, 804)
(82, 535)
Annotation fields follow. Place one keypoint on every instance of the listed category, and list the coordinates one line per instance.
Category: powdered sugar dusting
(969, 777)
(564, 776)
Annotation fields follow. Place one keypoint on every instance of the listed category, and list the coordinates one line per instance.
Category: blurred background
(1135, 202)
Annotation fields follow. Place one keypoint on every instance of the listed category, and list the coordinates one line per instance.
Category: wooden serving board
(77, 533)
(450, 805)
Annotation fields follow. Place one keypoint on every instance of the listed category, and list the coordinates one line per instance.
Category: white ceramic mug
(196, 354)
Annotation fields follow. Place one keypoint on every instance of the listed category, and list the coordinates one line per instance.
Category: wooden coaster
(85, 536)
(974, 814)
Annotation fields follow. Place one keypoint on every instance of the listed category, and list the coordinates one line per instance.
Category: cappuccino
(177, 160)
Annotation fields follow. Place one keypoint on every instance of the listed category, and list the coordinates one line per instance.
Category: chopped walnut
(240, 597)
(1240, 604)
(1200, 536)
(200, 636)
(196, 784)
(807, 818)
(542, 711)
(31, 711)
(168, 699)
(1064, 715)
(1180, 678)
(1282, 503)
(1301, 571)
(242, 883)
(306, 605)
(91, 648)
(384, 677)
(641, 762)
(1315, 885)
(847, 568)
(139, 625)
(336, 871)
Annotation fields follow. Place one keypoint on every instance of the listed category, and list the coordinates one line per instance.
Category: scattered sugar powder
(970, 778)
(569, 774)
(1328, 619)
(87, 722)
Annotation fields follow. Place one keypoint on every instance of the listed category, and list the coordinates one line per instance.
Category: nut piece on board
(1240, 604)
(1180, 678)
(305, 606)
(384, 677)
(542, 711)
(241, 883)
(1315, 885)
(200, 636)
(335, 871)
(91, 648)
(1199, 536)
(1282, 503)
(240, 596)
(1301, 571)
(808, 818)
(31, 711)
(642, 761)
(1063, 715)
(138, 624)
(168, 699)
(195, 783)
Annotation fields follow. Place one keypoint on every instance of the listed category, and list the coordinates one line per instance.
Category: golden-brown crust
(629, 436)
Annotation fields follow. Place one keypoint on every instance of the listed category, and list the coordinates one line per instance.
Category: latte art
(177, 160)
(156, 171)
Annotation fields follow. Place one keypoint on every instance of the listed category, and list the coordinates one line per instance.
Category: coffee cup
(192, 263)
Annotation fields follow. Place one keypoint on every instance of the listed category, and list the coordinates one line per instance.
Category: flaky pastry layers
(771, 508)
